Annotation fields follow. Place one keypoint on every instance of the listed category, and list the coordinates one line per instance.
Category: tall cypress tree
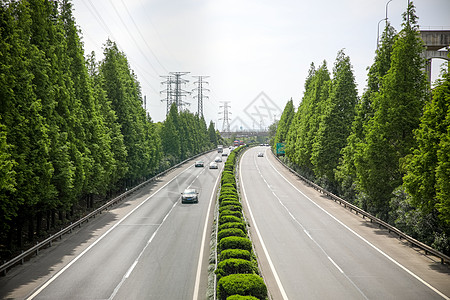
(307, 119)
(22, 112)
(113, 135)
(399, 106)
(346, 173)
(428, 176)
(284, 123)
(124, 91)
(212, 134)
(337, 115)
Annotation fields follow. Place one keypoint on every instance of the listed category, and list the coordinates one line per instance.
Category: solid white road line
(363, 239)
(54, 277)
(200, 258)
(263, 245)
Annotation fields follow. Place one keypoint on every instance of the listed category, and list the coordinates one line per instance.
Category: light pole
(387, 9)
(378, 31)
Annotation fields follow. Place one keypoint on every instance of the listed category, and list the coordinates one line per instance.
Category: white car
(218, 159)
(260, 154)
(213, 165)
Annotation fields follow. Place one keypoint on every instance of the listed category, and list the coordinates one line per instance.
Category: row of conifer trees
(388, 151)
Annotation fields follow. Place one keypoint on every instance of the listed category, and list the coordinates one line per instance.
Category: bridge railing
(48, 242)
(413, 242)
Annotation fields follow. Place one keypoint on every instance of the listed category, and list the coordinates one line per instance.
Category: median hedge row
(237, 271)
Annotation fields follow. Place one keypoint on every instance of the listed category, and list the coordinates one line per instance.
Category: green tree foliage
(21, 112)
(71, 128)
(123, 89)
(115, 160)
(7, 181)
(171, 142)
(212, 134)
(427, 175)
(284, 123)
(399, 104)
(184, 134)
(305, 124)
(337, 115)
(346, 171)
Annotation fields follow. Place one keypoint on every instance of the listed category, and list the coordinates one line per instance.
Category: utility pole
(178, 92)
(226, 118)
(168, 92)
(200, 95)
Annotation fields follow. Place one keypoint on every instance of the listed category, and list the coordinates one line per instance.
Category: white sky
(245, 46)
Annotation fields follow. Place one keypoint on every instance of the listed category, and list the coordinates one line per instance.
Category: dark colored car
(189, 195)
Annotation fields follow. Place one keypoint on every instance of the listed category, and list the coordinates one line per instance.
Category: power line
(142, 37)
(131, 36)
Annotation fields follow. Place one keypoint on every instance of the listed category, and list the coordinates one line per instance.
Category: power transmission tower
(178, 93)
(168, 92)
(200, 95)
(226, 118)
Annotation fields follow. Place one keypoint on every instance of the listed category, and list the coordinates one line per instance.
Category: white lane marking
(54, 277)
(128, 273)
(336, 265)
(363, 239)
(263, 245)
(200, 259)
(307, 233)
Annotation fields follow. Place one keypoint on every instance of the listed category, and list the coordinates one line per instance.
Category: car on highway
(199, 163)
(218, 159)
(260, 154)
(224, 154)
(189, 195)
(213, 165)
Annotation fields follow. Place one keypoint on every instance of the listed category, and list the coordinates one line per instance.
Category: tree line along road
(149, 247)
(312, 248)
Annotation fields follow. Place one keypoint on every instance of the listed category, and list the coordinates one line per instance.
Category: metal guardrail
(413, 242)
(48, 242)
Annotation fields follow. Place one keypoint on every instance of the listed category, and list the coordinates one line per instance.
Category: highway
(150, 247)
(310, 247)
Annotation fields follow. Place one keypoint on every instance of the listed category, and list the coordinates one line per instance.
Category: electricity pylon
(200, 95)
(226, 118)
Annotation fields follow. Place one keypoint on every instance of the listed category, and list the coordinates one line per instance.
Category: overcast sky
(247, 47)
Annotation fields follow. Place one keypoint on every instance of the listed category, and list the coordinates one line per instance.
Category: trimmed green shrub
(239, 297)
(241, 284)
(228, 185)
(230, 207)
(231, 213)
(228, 177)
(234, 266)
(234, 242)
(240, 225)
(228, 191)
(230, 232)
(235, 253)
(226, 219)
(231, 202)
(228, 197)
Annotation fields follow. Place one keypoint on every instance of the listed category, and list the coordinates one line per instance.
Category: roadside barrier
(20, 259)
(413, 242)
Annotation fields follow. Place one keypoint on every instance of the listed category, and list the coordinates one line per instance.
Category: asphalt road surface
(310, 247)
(150, 247)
